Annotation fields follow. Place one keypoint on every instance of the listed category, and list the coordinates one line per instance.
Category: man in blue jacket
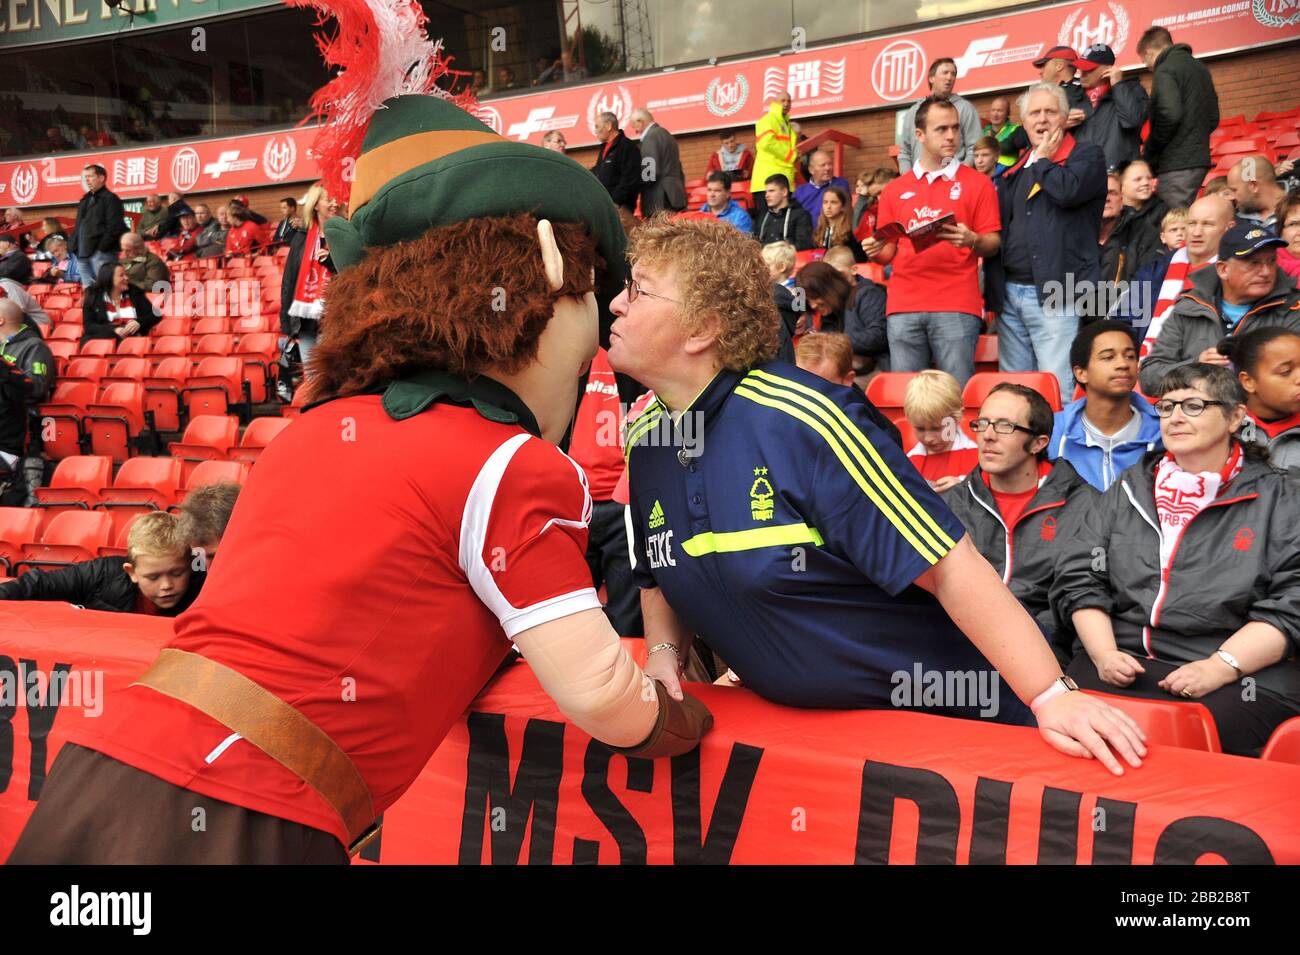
(721, 204)
(1111, 426)
(1051, 203)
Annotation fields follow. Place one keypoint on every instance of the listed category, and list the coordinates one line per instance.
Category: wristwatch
(1060, 685)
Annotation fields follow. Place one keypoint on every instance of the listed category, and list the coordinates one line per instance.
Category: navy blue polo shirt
(786, 530)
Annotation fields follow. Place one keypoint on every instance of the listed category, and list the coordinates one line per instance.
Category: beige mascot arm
(581, 664)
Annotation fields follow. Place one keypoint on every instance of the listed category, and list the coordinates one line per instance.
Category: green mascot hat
(425, 162)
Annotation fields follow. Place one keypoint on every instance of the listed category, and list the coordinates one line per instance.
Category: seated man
(1180, 581)
(1018, 507)
(1111, 426)
(789, 541)
(205, 512)
(26, 379)
(943, 453)
(1245, 290)
(144, 269)
(720, 204)
(782, 220)
(153, 578)
(186, 241)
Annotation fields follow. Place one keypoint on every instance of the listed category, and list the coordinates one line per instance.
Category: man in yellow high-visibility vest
(774, 149)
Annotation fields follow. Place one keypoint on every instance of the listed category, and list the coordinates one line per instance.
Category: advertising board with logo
(992, 53)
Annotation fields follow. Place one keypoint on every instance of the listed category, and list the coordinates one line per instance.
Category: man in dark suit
(618, 167)
(288, 214)
(664, 185)
(100, 221)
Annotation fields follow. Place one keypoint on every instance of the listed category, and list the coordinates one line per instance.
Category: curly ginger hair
(461, 298)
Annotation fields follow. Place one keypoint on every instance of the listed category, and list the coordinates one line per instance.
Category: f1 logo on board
(618, 102)
(808, 80)
(723, 99)
(228, 161)
(1082, 33)
(23, 183)
(898, 70)
(185, 169)
(278, 157)
(541, 120)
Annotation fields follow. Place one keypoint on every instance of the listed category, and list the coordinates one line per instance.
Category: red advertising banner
(993, 52)
(514, 783)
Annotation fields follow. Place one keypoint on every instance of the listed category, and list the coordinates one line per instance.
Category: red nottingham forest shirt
(943, 278)
(372, 575)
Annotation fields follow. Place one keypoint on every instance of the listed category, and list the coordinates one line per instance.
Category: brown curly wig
(719, 271)
(461, 298)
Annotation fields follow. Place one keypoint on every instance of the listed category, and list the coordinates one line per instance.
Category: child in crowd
(204, 514)
(155, 577)
(1173, 228)
(987, 151)
(944, 453)
(1267, 363)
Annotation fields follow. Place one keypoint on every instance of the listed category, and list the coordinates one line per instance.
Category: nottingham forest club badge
(761, 507)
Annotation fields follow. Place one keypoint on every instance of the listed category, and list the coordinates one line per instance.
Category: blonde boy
(944, 453)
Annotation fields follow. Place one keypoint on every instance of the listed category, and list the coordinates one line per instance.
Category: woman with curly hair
(774, 520)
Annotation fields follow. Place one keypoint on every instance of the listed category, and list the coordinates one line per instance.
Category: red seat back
(981, 383)
(1284, 745)
(97, 347)
(133, 345)
(886, 390)
(89, 369)
(1170, 723)
(71, 537)
(217, 472)
(171, 345)
(18, 526)
(220, 432)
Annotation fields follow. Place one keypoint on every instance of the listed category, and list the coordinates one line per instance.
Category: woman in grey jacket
(1184, 582)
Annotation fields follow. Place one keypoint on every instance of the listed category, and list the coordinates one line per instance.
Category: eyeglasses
(1001, 426)
(633, 290)
(1192, 407)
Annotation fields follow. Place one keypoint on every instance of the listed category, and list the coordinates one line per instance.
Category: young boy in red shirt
(943, 453)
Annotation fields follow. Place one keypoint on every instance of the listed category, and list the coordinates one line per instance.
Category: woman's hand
(1117, 667)
(663, 666)
(130, 328)
(1082, 725)
(1194, 680)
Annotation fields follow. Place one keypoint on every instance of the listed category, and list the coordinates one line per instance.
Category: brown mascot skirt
(95, 810)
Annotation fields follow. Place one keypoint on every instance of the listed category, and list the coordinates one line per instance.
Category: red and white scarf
(1097, 92)
(308, 292)
(1177, 281)
(1181, 495)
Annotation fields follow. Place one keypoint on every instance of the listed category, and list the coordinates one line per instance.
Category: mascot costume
(416, 520)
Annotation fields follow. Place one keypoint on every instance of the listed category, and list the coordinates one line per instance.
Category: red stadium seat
(63, 350)
(136, 345)
(86, 369)
(1284, 745)
(77, 481)
(56, 302)
(171, 345)
(66, 333)
(294, 408)
(130, 368)
(171, 327)
(1292, 115)
(162, 392)
(986, 353)
(142, 485)
(1169, 723)
(97, 348)
(250, 324)
(61, 417)
(70, 537)
(980, 384)
(220, 344)
(73, 316)
(260, 352)
(871, 270)
(206, 438)
(18, 526)
(886, 391)
(114, 425)
(214, 386)
(119, 549)
(259, 433)
(210, 326)
(214, 472)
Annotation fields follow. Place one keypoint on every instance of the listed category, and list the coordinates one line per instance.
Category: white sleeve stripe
(550, 609)
(473, 539)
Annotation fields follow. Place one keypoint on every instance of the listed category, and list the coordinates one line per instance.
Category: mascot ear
(344, 241)
(551, 258)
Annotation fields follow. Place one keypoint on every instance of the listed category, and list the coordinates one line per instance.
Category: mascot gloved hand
(414, 521)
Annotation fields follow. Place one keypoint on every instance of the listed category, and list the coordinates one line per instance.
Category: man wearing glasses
(1018, 507)
(774, 520)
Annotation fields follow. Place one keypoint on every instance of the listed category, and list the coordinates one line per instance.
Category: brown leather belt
(270, 724)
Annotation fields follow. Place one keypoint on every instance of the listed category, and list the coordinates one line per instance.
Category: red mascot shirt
(372, 575)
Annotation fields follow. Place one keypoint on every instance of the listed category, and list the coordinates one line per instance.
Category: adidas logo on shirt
(657, 516)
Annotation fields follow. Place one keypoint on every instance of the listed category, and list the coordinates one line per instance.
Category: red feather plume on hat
(380, 50)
